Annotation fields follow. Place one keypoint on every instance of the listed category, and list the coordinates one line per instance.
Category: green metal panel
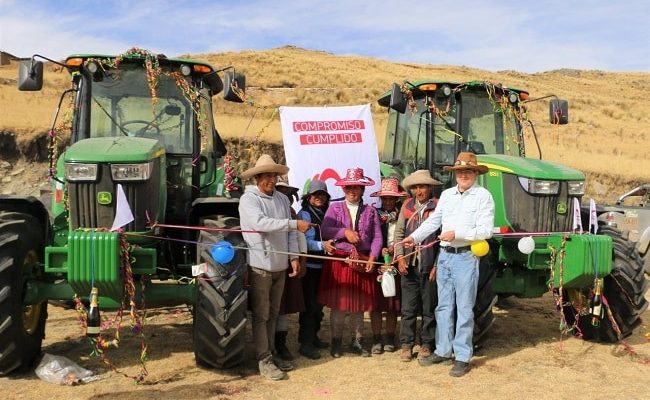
(527, 275)
(520, 282)
(156, 294)
(94, 257)
(171, 60)
(493, 182)
(530, 167)
(586, 256)
(115, 149)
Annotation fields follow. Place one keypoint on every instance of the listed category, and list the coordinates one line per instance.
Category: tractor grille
(535, 213)
(87, 212)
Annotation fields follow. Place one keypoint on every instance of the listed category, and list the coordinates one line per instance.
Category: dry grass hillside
(607, 137)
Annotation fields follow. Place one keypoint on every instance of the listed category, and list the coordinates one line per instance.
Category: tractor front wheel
(221, 304)
(22, 327)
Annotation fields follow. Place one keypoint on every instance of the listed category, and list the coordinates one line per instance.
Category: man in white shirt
(466, 213)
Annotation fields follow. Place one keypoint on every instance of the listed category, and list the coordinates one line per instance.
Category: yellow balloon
(480, 248)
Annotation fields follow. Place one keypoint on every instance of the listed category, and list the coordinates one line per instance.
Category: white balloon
(526, 244)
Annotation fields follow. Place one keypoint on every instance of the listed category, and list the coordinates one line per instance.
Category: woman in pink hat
(390, 195)
(349, 287)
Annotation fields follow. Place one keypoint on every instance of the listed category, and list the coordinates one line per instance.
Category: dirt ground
(523, 358)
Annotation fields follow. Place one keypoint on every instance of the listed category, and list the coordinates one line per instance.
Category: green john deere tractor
(141, 135)
(430, 122)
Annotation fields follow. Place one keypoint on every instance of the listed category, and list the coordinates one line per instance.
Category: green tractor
(431, 121)
(142, 135)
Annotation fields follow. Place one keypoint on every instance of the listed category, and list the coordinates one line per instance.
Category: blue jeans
(457, 278)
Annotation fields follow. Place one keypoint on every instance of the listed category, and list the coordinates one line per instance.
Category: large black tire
(624, 289)
(485, 300)
(22, 328)
(221, 304)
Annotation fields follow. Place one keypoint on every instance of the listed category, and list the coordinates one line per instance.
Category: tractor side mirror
(397, 99)
(234, 87)
(559, 111)
(30, 76)
(214, 82)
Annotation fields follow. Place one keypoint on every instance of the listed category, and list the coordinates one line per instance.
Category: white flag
(123, 214)
(593, 218)
(577, 218)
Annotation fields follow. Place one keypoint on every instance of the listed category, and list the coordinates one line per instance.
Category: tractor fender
(28, 205)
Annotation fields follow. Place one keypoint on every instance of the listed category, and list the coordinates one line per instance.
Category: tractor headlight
(576, 188)
(131, 172)
(75, 172)
(538, 186)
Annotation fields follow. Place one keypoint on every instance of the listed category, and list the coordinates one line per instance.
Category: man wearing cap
(465, 213)
(266, 212)
(419, 293)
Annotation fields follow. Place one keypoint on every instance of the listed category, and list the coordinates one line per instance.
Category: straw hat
(467, 161)
(316, 185)
(419, 177)
(355, 177)
(265, 164)
(389, 187)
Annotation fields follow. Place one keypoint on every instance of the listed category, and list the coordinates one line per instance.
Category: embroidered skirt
(343, 288)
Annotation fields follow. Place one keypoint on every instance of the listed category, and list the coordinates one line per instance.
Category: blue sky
(527, 36)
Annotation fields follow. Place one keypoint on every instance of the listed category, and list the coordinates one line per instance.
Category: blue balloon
(222, 252)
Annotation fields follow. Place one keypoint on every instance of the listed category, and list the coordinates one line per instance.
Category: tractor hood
(530, 168)
(114, 149)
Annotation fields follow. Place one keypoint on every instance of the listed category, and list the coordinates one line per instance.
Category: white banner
(323, 142)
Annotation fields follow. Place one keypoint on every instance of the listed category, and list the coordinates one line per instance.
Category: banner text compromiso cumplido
(324, 126)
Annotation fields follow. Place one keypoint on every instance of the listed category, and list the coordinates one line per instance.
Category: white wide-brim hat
(265, 164)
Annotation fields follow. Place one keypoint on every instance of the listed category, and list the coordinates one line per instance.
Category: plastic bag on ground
(62, 371)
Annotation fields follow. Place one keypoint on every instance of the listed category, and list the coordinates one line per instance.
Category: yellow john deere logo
(104, 198)
(561, 208)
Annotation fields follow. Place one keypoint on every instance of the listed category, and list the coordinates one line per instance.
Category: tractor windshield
(485, 127)
(121, 104)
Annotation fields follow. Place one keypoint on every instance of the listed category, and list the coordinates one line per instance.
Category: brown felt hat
(467, 161)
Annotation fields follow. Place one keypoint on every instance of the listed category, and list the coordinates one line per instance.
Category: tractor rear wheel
(624, 289)
(485, 300)
(221, 304)
(22, 328)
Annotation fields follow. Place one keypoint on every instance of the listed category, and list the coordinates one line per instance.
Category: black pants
(311, 318)
(419, 297)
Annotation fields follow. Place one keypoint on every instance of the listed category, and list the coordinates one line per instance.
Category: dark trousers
(311, 318)
(419, 297)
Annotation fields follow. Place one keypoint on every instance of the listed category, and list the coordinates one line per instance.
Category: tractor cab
(145, 122)
(430, 122)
